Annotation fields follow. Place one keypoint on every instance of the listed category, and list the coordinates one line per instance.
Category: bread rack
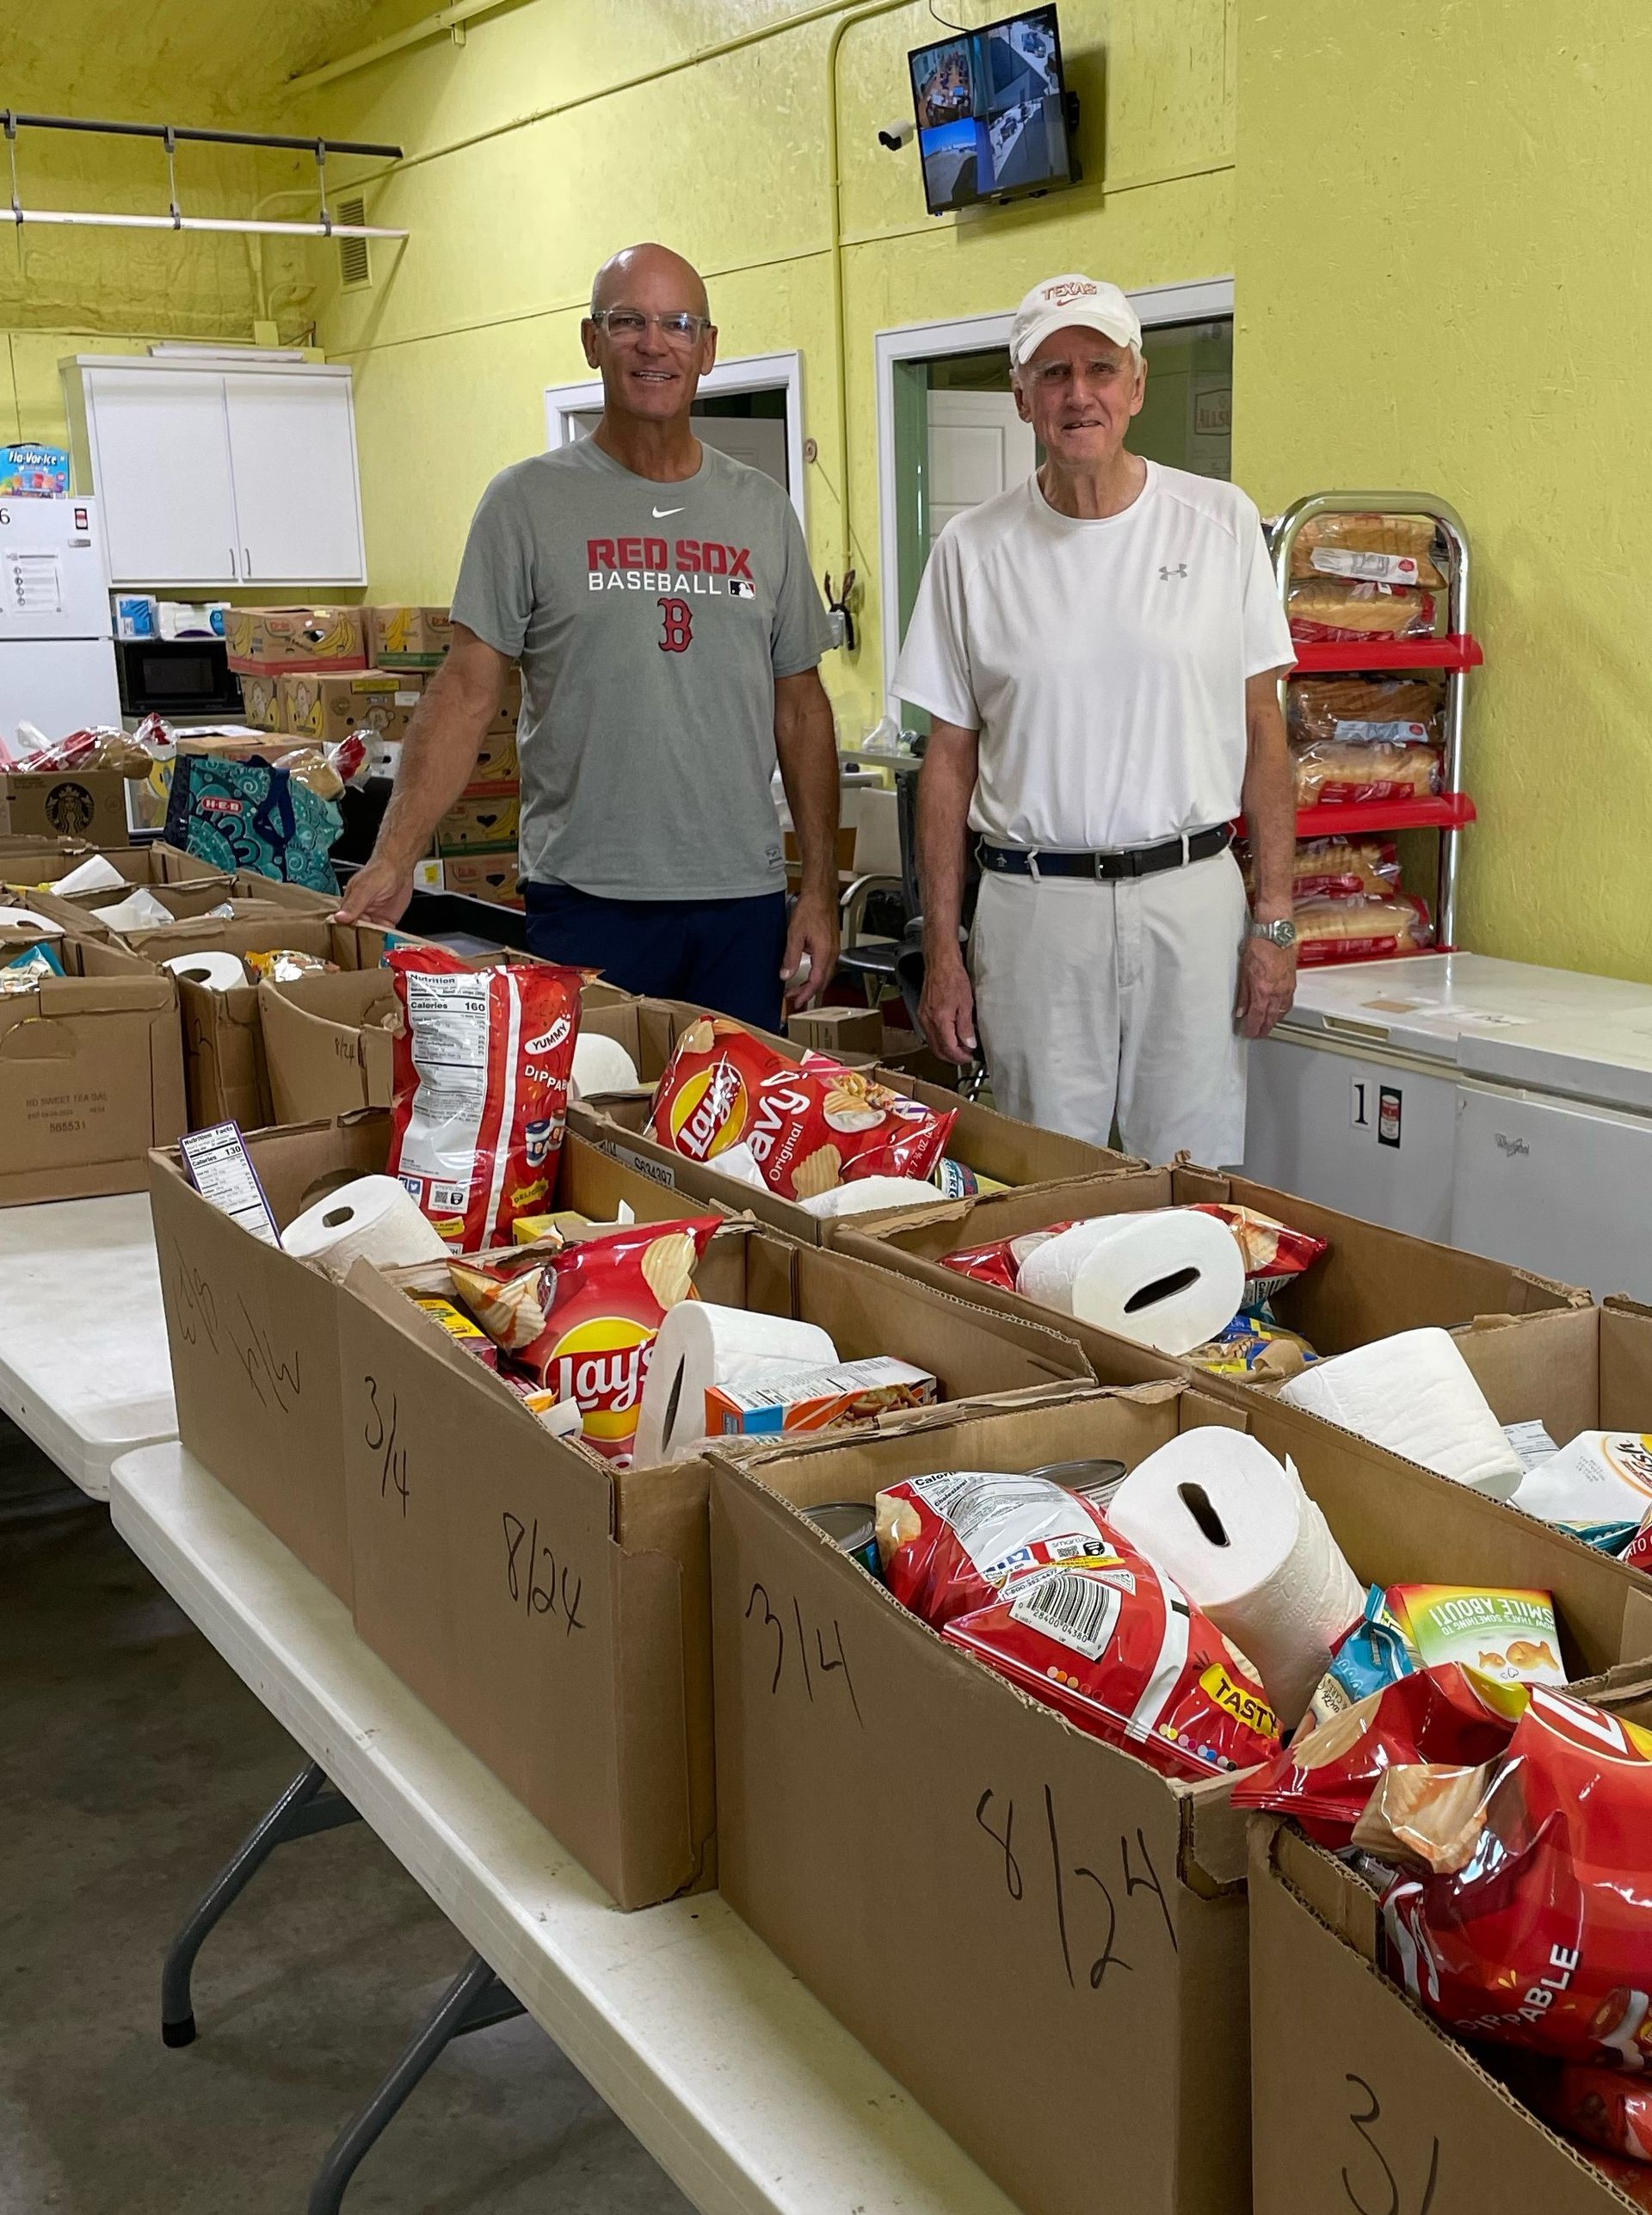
(1451, 809)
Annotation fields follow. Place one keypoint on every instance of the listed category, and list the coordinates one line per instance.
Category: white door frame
(751, 373)
(1201, 301)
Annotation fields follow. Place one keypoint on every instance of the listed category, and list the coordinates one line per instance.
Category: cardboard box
(48, 804)
(1372, 1283)
(1355, 2091)
(32, 866)
(604, 1736)
(1016, 1919)
(91, 1076)
(261, 699)
(497, 761)
(482, 873)
(1588, 1369)
(410, 637)
(265, 638)
(838, 1031)
(327, 706)
(487, 815)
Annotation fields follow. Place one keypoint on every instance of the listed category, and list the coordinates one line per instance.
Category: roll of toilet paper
(602, 1065)
(373, 1219)
(741, 1164)
(1169, 1278)
(701, 1345)
(139, 910)
(1240, 1535)
(26, 919)
(1415, 1395)
(866, 1195)
(96, 874)
(218, 973)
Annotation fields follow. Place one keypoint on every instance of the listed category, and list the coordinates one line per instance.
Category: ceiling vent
(354, 264)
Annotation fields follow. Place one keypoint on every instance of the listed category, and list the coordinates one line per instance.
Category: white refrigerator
(57, 650)
(1490, 1105)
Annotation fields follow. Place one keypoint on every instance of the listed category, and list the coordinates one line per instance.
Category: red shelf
(1445, 811)
(1344, 658)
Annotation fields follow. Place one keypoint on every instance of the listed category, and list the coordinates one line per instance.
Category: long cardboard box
(1024, 1925)
(554, 1610)
(1361, 2103)
(263, 639)
(326, 708)
(1372, 1283)
(48, 804)
(32, 863)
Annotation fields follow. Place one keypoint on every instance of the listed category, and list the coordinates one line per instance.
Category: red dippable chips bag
(1609, 2107)
(480, 1078)
(583, 1322)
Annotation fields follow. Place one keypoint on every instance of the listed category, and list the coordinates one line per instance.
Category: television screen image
(991, 112)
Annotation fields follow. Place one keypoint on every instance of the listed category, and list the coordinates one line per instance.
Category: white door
(161, 471)
(298, 500)
(1554, 1187)
(758, 440)
(978, 445)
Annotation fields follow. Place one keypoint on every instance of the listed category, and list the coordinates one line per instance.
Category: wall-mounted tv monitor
(992, 112)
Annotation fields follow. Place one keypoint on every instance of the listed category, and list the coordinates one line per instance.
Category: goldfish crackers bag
(481, 1072)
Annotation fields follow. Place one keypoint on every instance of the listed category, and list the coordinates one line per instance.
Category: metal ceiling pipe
(11, 121)
(86, 218)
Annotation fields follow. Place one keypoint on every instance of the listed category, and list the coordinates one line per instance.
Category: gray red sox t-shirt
(651, 621)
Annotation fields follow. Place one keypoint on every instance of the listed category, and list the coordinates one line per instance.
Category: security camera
(895, 135)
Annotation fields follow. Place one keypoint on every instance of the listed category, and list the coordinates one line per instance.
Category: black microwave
(177, 676)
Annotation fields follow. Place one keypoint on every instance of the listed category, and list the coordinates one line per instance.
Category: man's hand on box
(378, 893)
(813, 932)
(946, 1010)
(1267, 985)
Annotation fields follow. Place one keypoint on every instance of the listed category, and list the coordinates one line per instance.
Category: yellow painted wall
(726, 161)
(1440, 232)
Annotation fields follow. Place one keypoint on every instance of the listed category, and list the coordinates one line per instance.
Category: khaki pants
(1104, 1002)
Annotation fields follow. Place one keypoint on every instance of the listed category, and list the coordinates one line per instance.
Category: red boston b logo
(679, 620)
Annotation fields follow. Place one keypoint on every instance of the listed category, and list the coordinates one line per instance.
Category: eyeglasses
(627, 326)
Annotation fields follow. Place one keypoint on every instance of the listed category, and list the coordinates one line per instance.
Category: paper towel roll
(1246, 1543)
(1415, 1395)
(865, 1195)
(373, 1219)
(218, 973)
(26, 919)
(139, 910)
(602, 1065)
(1169, 1278)
(702, 1344)
(96, 874)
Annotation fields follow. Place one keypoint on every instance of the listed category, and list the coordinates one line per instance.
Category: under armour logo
(1165, 574)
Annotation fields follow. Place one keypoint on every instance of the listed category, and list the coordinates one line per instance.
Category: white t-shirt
(1103, 663)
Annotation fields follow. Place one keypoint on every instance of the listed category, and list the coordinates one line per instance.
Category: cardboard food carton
(996, 1145)
(322, 638)
(496, 761)
(1008, 1912)
(482, 873)
(35, 865)
(327, 706)
(409, 638)
(49, 804)
(553, 1609)
(91, 1074)
(486, 815)
(1372, 1283)
(261, 699)
(1355, 2090)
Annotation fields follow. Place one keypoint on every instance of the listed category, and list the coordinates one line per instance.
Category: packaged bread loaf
(1354, 772)
(1338, 869)
(1363, 707)
(1364, 929)
(1390, 549)
(1325, 608)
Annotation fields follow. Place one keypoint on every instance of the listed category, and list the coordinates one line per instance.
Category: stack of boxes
(318, 674)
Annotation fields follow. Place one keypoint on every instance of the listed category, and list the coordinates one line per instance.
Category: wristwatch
(1282, 933)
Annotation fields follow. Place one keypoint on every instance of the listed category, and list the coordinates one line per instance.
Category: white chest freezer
(1491, 1104)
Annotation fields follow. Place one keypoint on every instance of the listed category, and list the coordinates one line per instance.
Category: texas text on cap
(1060, 302)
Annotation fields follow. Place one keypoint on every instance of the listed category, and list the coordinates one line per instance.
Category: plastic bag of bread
(1346, 869)
(1386, 549)
(1350, 772)
(1364, 708)
(1362, 930)
(1325, 608)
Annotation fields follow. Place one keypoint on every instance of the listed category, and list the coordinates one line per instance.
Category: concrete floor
(131, 1762)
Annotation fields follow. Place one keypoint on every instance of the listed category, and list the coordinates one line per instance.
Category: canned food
(1096, 1481)
(851, 1527)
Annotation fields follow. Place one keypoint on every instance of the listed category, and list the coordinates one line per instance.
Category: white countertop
(85, 1367)
(739, 2083)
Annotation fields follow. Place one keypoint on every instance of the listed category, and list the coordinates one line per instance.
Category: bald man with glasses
(658, 596)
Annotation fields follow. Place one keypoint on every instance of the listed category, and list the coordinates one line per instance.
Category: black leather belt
(1104, 868)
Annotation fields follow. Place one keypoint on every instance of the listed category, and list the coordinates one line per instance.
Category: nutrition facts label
(221, 1173)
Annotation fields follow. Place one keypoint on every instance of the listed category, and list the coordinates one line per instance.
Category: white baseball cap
(1059, 303)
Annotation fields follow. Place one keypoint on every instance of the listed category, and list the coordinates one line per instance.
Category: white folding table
(740, 2084)
(85, 1367)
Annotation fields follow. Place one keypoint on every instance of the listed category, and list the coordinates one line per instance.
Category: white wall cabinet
(220, 476)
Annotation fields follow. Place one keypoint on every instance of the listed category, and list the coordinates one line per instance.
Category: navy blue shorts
(724, 954)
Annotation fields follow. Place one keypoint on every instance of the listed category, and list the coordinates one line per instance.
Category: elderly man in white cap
(1099, 650)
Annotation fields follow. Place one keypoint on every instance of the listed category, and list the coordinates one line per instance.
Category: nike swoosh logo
(660, 512)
